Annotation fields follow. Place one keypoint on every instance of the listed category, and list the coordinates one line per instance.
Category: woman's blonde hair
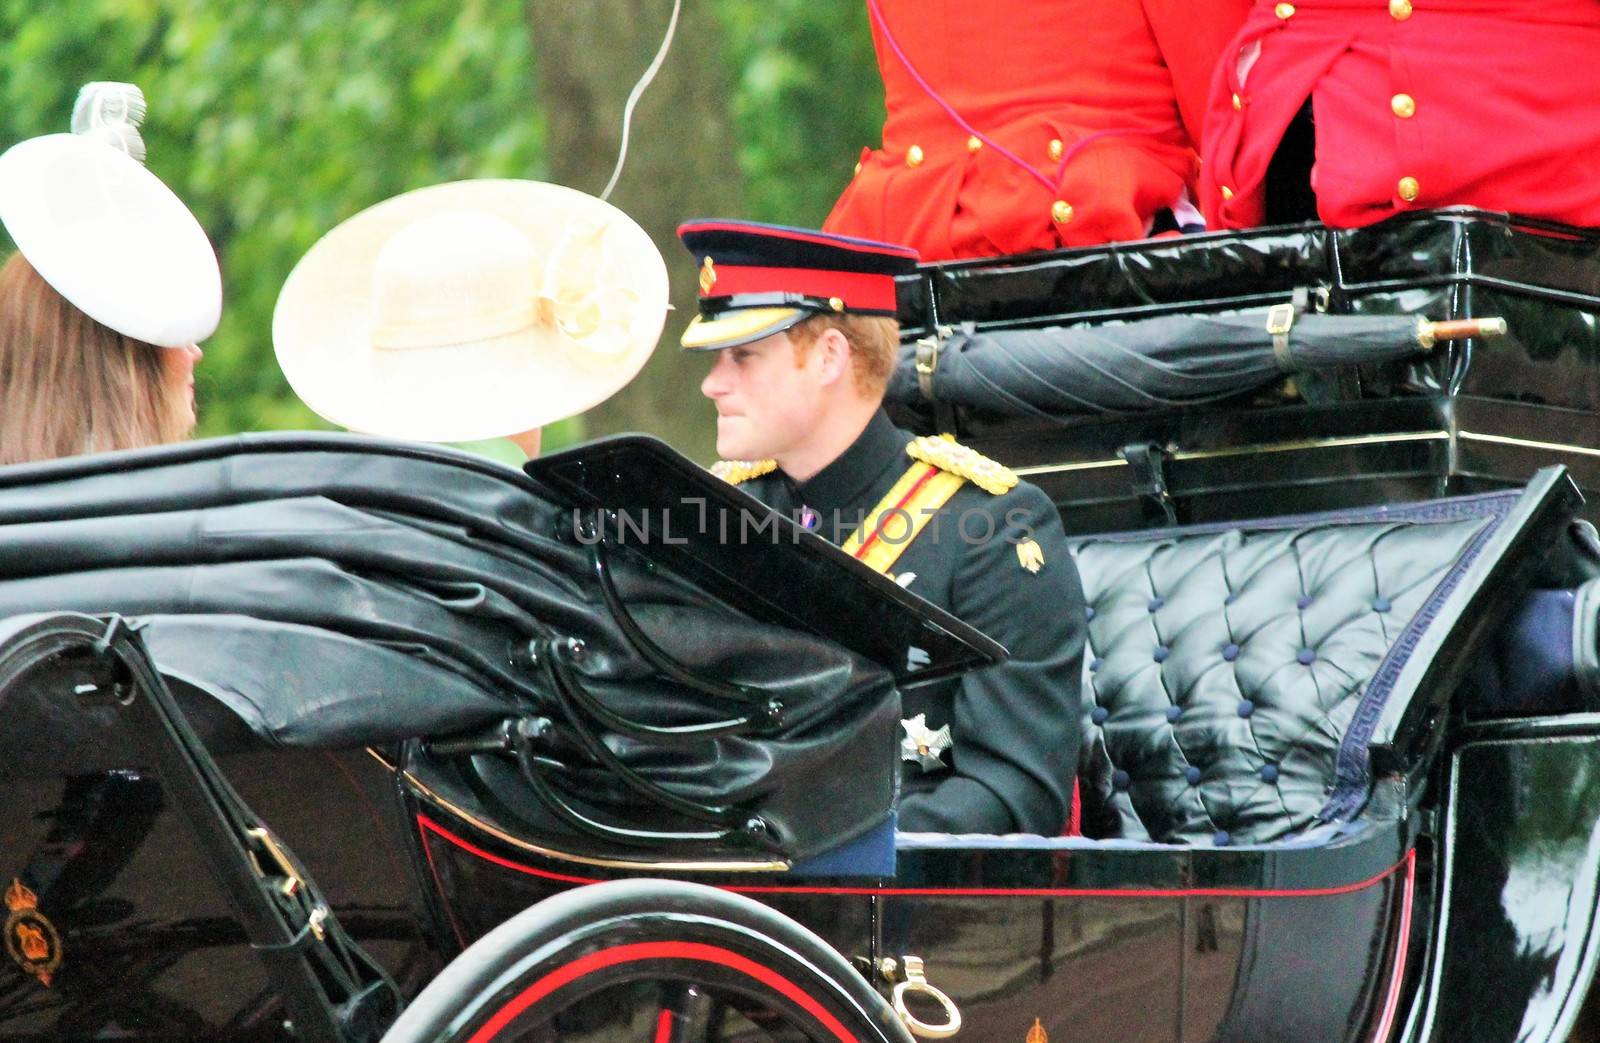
(68, 384)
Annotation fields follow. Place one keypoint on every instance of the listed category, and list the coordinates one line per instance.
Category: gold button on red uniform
(1061, 211)
(1403, 105)
(1399, 10)
(914, 156)
(1284, 11)
(1408, 189)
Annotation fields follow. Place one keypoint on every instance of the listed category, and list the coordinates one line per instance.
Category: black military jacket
(1014, 727)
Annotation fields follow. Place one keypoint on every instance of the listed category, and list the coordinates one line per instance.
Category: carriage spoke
(686, 1014)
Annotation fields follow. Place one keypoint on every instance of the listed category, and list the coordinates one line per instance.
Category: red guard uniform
(1097, 103)
(1416, 103)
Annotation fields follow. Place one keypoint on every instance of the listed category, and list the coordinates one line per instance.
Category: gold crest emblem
(1037, 1034)
(32, 941)
(1030, 555)
(708, 276)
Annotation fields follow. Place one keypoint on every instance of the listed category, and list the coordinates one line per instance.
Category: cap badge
(32, 941)
(1037, 1034)
(708, 276)
(1030, 555)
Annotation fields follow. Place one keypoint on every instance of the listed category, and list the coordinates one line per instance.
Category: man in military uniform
(803, 329)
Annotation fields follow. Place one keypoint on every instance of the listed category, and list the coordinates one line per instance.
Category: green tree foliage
(807, 100)
(275, 121)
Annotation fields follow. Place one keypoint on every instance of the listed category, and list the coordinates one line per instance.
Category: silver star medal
(924, 745)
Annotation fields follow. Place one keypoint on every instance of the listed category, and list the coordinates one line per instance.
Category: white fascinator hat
(106, 233)
(470, 310)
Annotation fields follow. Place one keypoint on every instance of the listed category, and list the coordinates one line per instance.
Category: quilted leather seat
(1225, 665)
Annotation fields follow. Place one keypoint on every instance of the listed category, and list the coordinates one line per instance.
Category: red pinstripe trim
(695, 951)
(427, 853)
(664, 1026)
(1391, 1003)
(883, 518)
(801, 236)
(858, 290)
(427, 825)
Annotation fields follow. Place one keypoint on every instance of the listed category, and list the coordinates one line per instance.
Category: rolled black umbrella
(1156, 363)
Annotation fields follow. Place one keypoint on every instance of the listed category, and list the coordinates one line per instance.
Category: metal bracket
(332, 990)
(1147, 461)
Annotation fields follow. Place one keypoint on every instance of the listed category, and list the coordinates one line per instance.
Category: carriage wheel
(649, 961)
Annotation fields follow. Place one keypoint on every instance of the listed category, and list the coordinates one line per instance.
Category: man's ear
(833, 356)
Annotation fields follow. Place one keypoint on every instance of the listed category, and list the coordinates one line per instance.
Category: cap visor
(740, 326)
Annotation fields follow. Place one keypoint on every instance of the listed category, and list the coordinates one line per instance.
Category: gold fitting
(1408, 189)
(1284, 12)
(914, 156)
(1403, 106)
(1056, 149)
(1227, 193)
(974, 143)
(1400, 10)
(836, 304)
(858, 167)
(1238, 103)
(1061, 211)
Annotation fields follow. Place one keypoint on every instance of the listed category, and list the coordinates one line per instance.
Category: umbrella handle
(1430, 333)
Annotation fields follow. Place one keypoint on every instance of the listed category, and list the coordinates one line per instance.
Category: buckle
(1280, 319)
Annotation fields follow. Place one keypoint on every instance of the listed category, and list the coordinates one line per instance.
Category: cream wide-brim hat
(111, 238)
(470, 310)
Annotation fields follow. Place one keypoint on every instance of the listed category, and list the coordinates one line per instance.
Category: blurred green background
(276, 121)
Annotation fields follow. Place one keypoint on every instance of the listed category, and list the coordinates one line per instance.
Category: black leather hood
(338, 591)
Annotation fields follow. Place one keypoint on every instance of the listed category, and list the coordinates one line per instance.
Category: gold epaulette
(735, 471)
(947, 454)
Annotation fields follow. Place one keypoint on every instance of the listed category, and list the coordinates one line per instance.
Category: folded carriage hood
(338, 591)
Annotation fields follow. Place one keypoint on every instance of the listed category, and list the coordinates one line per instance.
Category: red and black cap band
(748, 265)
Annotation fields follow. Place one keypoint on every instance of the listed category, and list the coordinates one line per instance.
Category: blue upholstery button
(1230, 651)
(1088, 613)
(1120, 779)
(1246, 708)
(1381, 604)
(1269, 773)
(1155, 604)
(1096, 664)
(1174, 712)
(1306, 657)
(1161, 653)
(1230, 599)
(1099, 714)
(1304, 602)
(1193, 775)
(1221, 839)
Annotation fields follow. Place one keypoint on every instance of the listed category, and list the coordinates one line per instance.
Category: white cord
(637, 93)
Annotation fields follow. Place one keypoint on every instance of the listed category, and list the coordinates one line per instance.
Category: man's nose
(715, 384)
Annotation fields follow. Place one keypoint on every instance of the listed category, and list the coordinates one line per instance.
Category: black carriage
(628, 741)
